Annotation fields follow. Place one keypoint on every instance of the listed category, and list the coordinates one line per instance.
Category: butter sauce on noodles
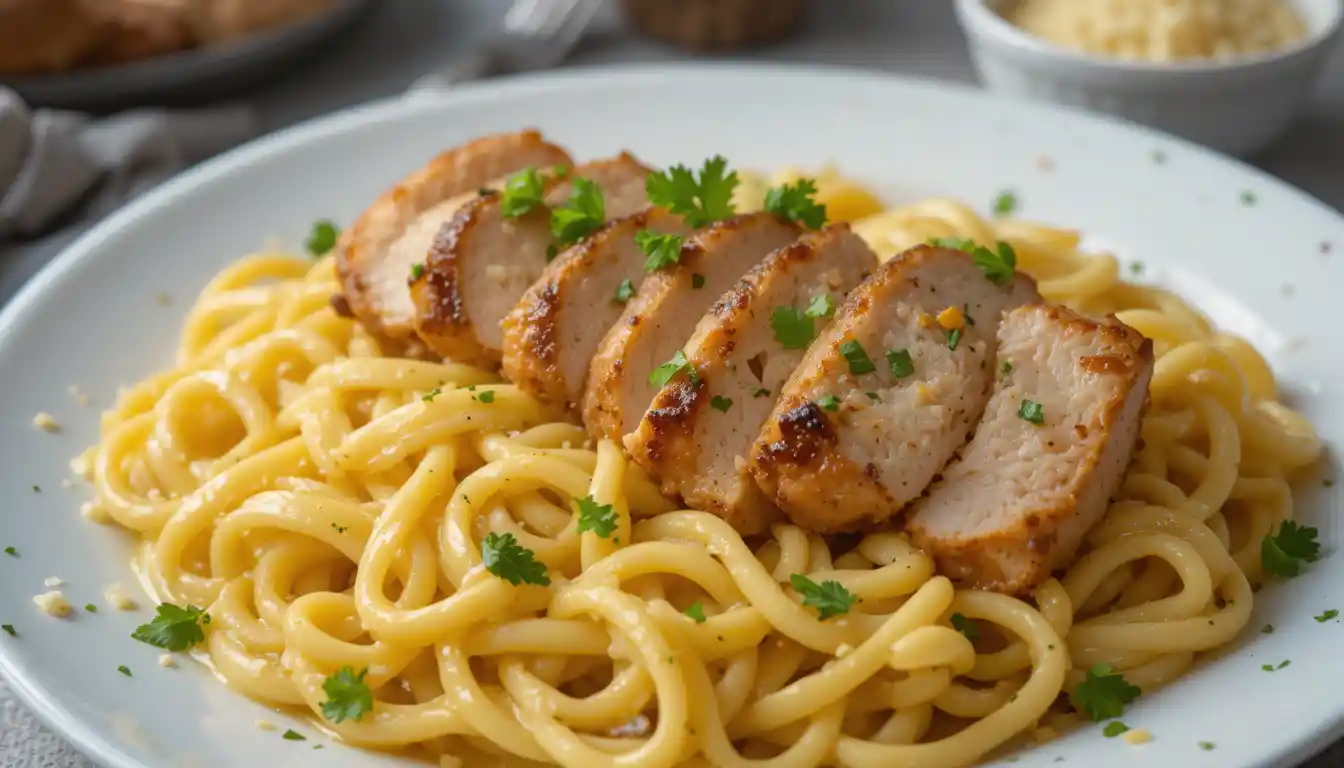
(326, 500)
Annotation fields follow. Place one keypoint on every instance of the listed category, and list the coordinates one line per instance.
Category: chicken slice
(1016, 505)
(846, 446)
(696, 433)
(664, 314)
(550, 337)
(375, 254)
(482, 261)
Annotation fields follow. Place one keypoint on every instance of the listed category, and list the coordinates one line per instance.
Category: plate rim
(27, 687)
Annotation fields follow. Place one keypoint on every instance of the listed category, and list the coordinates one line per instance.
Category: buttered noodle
(290, 474)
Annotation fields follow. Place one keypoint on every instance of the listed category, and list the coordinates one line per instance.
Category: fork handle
(477, 65)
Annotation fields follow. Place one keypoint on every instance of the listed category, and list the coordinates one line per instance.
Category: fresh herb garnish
(671, 369)
(293, 735)
(876, 398)
(998, 264)
(512, 562)
(429, 396)
(762, 392)
(792, 328)
(953, 339)
(624, 291)
(1268, 629)
(966, 627)
(174, 628)
(696, 612)
(1207, 746)
(125, 670)
(857, 357)
(11, 551)
(1248, 198)
(486, 397)
(1031, 411)
(417, 270)
(1283, 554)
(1103, 694)
(822, 306)
(699, 201)
(830, 598)
(579, 216)
(9, 630)
(795, 202)
(1272, 668)
(1328, 615)
(522, 192)
(1005, 368)
(90, 607)
(829, 402)
(348, 696)
(900, 362)
(1114, 729)
(322, 238)
(721, 403)
(1005, 203)
(660, 250)
(601, 519)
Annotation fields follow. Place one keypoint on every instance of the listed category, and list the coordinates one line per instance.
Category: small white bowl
(1237, 105)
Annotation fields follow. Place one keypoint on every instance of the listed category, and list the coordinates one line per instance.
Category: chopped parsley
(9, 630)
(512, 562)
(1272, 668)
(174, 628)
(796, 202)
(1268, 629)
(90, 607)
(522, 192)
(998, 264)
(697, 281)
(322, 238)
(580, 215)
(1114, 729)
(953, 339)
(721, 403)
(900, 362)
(429, 396)
(660, 250)
(1005, 368)
(625, 291)
(1005, 203)
(125, 670)
(348, 696)
(417, 270)
(876, 398)
(696, 612)
(1136, 268)
(822, 306)
(1328, 615)
(829, 402)
(11, 551)
(966, 627)
(792, 328)
(1248, 198)
(671, 369)
(37, 489)
(486, 397)
(1283, 554)
(830, 598)
(859, 362)
(1103, 694)
(601, 519)
(293, 735)
(1031, 411)
(699, 201)
(1207, 746)
(762, 392)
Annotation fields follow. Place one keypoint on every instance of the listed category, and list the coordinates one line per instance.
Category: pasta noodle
(326, 500)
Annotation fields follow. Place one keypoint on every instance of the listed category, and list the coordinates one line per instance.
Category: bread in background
(214, 21)
(139, 29)
(41, 36)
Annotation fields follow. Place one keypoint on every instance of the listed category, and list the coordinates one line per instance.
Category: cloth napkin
(59, 167)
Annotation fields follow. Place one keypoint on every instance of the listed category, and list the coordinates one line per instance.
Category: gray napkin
(57, 167)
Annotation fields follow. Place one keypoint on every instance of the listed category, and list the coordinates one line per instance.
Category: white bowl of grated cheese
(1171, 64)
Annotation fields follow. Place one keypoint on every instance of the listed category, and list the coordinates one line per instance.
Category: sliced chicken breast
(375, 254)
(1048, 455)
(550, 337)
(656, 325)
(696, 434)
(888, 392)
(482, 262)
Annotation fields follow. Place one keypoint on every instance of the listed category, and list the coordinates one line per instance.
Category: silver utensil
(537, 34)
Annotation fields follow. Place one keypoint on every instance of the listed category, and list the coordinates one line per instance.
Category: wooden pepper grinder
(715, 25)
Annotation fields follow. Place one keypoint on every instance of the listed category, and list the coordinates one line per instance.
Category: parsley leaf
(792, 328)
(876, 398)
(174, 628)
(625, 291)
(859, 362)
(1114, 729)
(429, 396)
(11, 551)
(322, 238)
(830, 598)
(1031, 411)
(660, 250)
(1005, 368)
(512, 562)
(700, 202)
(795, 202)
(601, 519)
(671, 369)
(293, 735)
(822, 306)
(902, 365)
(1328, 615)
(1207, 746)
(696, 612)
(348, 696)
(953, 339)
(998, 264)
(486, 397)
(125, 670)
(522, 192)
(1005, 203)
(966, 627)
(1104, 694)
(721, 403)
(417, 270)
(9, 630)
(580, 215)
(829, 402)
(762, 392)
(1283, 554)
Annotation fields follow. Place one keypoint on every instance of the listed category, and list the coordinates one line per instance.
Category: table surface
(402, 39)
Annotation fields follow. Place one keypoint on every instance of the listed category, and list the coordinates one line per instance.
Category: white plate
(91, 319)
(192, 75)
